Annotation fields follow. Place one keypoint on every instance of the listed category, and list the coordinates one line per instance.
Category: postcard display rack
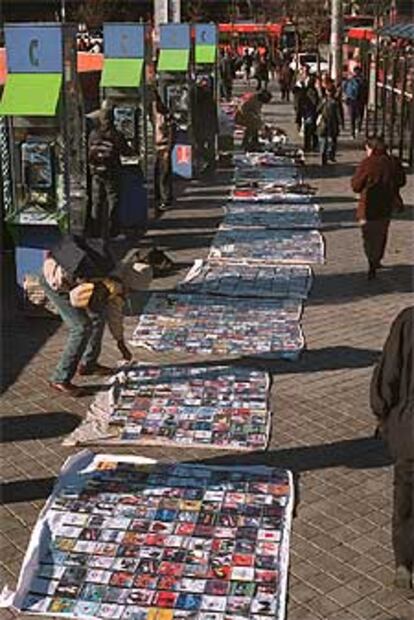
(132, 539)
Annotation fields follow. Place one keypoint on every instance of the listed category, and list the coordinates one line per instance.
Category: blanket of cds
(247, 215)
(270, 193)
(268, 246)
(282, 176)
(241, 280)
(129, 539)
(223, 407)
(266, 159)
(201, 324)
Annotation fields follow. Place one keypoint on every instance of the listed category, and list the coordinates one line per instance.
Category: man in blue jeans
(84, 341)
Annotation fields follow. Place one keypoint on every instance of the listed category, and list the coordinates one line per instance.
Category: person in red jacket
(377, 180)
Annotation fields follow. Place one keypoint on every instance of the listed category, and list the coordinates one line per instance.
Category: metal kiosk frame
(123, 87)
(43, 146)
(175, 82)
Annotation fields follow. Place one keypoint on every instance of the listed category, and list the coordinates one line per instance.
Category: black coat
(329, 118)
(392, 387)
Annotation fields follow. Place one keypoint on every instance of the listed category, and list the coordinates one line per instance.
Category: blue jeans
(328, 147)
(85, 335)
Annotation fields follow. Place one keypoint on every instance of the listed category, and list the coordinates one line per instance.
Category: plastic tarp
(31, 94)
(122, 72)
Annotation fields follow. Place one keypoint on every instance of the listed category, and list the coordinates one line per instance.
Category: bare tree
(95, 12)
(312, 20)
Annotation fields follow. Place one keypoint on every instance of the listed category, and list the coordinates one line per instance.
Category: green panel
(205, 54)
(31, 94)
(173, 60)
(122, 72)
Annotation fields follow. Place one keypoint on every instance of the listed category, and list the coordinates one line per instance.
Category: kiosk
(174, 78)
(123, 87)
(45, 155)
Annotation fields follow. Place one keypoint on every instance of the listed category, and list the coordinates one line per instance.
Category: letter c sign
(34, 52)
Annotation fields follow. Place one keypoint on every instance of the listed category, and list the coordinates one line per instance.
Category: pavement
(341, 556)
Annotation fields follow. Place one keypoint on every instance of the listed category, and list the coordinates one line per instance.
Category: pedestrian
(285, 81)
(307, 114)
(377, 180)
(248, 64)
(328, 125)
(249, 116)
(65, 278)
(226, 70)
(261, 73)
(298, 92)
(204, 123)
(164, 142)
(392, 402)
(355, 92)
(105, 147)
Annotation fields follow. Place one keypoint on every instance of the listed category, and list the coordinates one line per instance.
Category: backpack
(353, 89)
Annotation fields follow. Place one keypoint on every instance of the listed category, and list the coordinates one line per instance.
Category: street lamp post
(336, 40)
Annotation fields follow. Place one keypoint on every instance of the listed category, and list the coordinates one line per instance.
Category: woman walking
(377, 180)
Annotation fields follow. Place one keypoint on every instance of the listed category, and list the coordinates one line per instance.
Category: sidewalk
(341, 559)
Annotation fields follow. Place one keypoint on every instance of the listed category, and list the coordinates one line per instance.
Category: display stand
(123, 85)
(44, 156)
(174, 78)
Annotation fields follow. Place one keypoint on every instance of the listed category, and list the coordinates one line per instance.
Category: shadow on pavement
(393, 279)
(361, 453)
(38, 426)
(327, 200)
(26, 490)
(21, 339)
(331, 171)
(184, 223)
(317, 360)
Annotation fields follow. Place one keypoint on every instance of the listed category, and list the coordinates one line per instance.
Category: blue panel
(124, 40)
(31, 244)
(205, 34)
(182, 157)
(175, 36)
(34, 49)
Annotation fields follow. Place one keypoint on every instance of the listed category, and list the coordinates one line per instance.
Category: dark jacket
(105, 148)
(329, 118)
(308, 104)
(226, 68)
(392, 387)
(378, 179)
(204, 116)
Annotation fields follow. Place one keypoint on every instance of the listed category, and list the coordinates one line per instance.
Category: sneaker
(403, 578)
(164, 207)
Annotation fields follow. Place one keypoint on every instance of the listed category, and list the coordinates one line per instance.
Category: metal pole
(63, 11)
(160, 17)
(176, 11)
(336, 40)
